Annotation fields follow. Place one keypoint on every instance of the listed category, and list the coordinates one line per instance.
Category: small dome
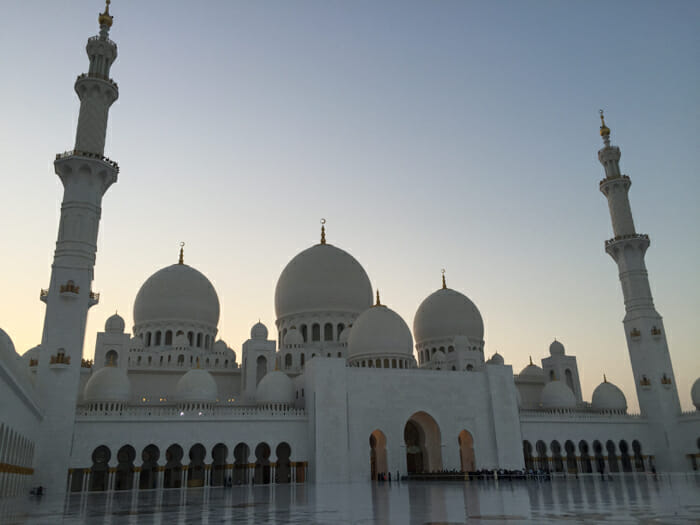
(532, 371)
(108, 384)
(259, 331)
(7, 347)
(695, 393)
(556, 348)
(556, 394)
(293, 338)
(607, 396)
(115, 324)
(322, 278)
(177, 293)
(447, 314)
(220, 346)
(197, 385)
(379, 331)
(496, 359)
(275, 388)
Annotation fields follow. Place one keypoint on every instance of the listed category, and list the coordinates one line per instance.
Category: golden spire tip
(444, 284)
(182, 254)
(378, 302)
(530, 360)
(105, 19)
(323, 231)
(605, 379)
(604, 130)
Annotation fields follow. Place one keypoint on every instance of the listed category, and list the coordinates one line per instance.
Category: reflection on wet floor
(625, 499)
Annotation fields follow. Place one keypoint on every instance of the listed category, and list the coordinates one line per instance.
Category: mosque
(342, 390)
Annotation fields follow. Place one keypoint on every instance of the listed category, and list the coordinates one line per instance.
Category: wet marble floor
(625, 499)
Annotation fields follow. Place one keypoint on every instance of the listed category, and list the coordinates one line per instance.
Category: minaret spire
(644, 330)
(444, 283)
(323, 231)
(86, 175)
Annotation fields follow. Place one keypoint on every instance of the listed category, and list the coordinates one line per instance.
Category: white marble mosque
(339, 390)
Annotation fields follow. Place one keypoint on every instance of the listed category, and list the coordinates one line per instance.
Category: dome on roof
(496, 359)
(532, 371)
(447, 313)
(115, 324)
(556, 394)
(259, 331)
(275, 388)
(108, 384)
(345, 334)
(695, 393)
(379, 331)
(7, 347)
(556, 348)
(607, 396)
(293, 338)
(322, 278)
(197, 385)
(177, 293)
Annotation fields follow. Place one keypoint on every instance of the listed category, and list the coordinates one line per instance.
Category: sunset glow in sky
(451, 134)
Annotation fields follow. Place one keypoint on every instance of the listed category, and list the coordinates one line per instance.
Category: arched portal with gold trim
(423, 444)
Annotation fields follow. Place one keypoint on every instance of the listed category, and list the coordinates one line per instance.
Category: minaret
(644, 327)
(86, 175)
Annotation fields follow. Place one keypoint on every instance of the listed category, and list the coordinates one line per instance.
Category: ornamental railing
(628, 236)
(99, 77)
(626, 177)
(97, 409)
(104, 39)
(89, 155)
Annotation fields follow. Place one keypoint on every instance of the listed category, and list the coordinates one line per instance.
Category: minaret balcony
(104, 78)
(59, 361)
(104, 39)
(631, 236)
(77, 153)
(44, 294)
(608, 179)
(94, 299)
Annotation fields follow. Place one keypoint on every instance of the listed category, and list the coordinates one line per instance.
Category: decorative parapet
(635, 333)
(86, 363)
(97, 410)
(69, 287)
(578, 413)
(89, 155)
(655, 331)
(666, 381)
(644, 381)
(99, 77)
(608, 179)
(60, 359)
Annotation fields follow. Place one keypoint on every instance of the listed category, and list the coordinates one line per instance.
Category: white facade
(342, 394)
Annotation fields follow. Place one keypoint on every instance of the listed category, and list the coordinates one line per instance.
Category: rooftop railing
(89, 155)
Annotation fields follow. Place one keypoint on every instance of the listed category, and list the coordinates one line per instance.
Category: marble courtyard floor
(625, 499)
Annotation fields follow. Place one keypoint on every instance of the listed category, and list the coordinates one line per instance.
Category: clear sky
(452, 134)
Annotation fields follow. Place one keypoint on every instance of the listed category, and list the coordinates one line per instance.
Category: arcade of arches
(608, 457)
(423, 448)
(194, 468)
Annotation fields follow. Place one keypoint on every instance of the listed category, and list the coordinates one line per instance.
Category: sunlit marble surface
(625, 499)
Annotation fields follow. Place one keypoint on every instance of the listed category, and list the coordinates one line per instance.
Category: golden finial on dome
(444, 284)
(105, 19)
(378, 303)
(604, 130)
(182, 254)
(605, 379)
(323, 231)
(530, 360)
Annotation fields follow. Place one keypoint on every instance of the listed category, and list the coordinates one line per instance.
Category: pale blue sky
(445, 134)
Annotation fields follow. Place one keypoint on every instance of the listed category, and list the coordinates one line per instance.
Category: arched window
(158, 338)
(148, 339)
(316, 332)
(470, 368)
(551, 375)
(111, 358)
(288, 361)
(304, 334)
(261, 368)
(199, 340)
(569, 380)
(328, 332)
(190, 338)
(378, 363)
(450, 348)
(341, 327)
(169, 337)
(302, 359)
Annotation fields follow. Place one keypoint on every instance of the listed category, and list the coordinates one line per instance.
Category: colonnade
(16, 460)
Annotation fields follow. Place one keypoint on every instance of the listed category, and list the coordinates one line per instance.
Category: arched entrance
(195, 470)
(149, 467)
(262, 464)
(466, 451)
(283, 471)
(100, 468)
(218, 468)
(172, 476)
(240, 464)
(124, 477)
(377, 454)
(423, 444)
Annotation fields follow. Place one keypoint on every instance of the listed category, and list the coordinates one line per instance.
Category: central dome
(177, 293)
(322, 278)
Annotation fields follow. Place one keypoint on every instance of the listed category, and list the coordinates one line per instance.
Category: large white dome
(108, 384)
(556, 394)
(379, 331)
(197, 385)
(447, 314)
(177, 293)
(322, 278)
(275, 388)
(607, 396)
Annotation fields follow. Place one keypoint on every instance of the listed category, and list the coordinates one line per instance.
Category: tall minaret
(644, 328)
(86, 175)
